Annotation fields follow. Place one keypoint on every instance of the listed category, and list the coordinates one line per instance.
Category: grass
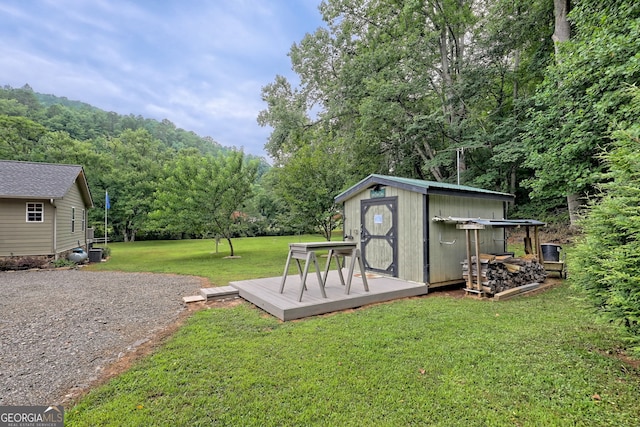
(257, 257)
(530, 361)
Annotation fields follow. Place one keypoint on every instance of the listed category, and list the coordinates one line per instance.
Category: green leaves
(583, 98)
(202, 195)
(400, 87)
(308, 182)
(606, 261)
(19, 137)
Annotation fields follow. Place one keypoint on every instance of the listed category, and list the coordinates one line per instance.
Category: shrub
(63, 262)
(606, 261)
(106, 251)
(21, 263)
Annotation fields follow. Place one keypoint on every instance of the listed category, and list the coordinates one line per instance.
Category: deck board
(264, 293)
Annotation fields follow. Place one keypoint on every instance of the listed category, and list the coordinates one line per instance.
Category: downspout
(55, 229)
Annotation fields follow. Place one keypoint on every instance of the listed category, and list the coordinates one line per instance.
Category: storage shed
(392, 220)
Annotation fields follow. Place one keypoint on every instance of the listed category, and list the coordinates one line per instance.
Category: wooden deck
(265, 293)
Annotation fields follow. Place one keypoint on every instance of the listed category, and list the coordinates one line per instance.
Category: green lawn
(532, 361)
(256, 257)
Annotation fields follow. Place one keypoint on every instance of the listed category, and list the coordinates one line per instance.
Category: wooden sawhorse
(307, 252)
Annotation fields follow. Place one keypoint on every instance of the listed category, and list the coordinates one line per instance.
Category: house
(43, 209)
(399, 227)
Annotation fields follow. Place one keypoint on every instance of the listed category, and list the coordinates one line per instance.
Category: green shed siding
(410, 231)
(21, 238)
(427, 251)
(411, 236)
(447, 244)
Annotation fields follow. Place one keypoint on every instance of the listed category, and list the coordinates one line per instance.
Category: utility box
(95, 255)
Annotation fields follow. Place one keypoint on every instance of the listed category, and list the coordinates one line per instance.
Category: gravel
(60, 329)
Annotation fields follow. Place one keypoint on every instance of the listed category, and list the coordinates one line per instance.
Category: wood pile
(499, 273)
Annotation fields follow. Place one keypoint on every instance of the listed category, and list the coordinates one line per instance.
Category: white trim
(34, 211)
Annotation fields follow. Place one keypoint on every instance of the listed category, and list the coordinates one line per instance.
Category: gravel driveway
(59, 329)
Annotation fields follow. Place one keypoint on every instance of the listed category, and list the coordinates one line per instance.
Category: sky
(200, 64)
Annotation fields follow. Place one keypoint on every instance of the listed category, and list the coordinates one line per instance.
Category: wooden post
(527, 243)
(469, 276)
(466, 227)
(538, 245)
(478, 264)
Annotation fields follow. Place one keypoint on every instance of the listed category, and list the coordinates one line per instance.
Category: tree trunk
(562, 28)
(562, 33)
(326, 227)
(513, 181)
(426, 155)
(230, 246)
(573, 204)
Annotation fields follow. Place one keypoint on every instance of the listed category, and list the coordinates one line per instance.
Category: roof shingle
(36, 180)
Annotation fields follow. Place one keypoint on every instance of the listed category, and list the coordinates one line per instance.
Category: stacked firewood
(499, 273)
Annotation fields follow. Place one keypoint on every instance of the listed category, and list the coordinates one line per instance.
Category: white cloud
(199, 64)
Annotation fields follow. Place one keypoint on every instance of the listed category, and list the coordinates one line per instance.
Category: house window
(35, 212)
(84, 220)
(73, 220)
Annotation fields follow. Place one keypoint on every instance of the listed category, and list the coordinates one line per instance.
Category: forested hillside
(129, 156)
(82, 121)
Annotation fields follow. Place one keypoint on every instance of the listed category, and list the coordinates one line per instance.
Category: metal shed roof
(423, 187)
(24, 180)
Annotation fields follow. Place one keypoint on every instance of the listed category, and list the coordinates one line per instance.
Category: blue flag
(107, 202)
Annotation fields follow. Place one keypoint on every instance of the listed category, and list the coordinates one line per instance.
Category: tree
(308, 183)
(606, 262)
(286, 114)
(405, 86)
(582, 99)
(132, 175)
(20, 138)
(203, 195)
(505, 63)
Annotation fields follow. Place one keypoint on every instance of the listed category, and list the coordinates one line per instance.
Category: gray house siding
(68, 239)
(21, 238)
